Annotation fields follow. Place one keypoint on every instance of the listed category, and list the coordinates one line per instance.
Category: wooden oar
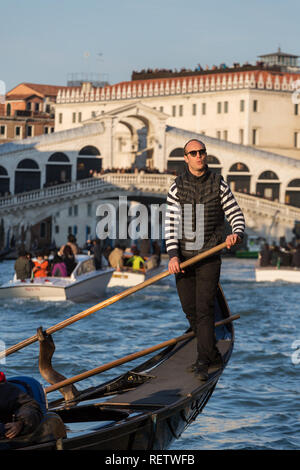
(110, 301)
(130, 357)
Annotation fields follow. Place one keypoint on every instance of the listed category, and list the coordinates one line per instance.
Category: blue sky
(41, 41)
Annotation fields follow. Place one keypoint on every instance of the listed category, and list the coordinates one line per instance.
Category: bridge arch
(58, 157)
(239, 167)
(89, 150)
(178, 152)
(4, 181)
(89, 161)
(175, 162)
(136, 137)
(268, 185)
(294, 183)
(292, 193)
(139, 147)
(239, 177)
(268, 175)
(27, 176)
(58, 169)
(28, 164)
(214, 164)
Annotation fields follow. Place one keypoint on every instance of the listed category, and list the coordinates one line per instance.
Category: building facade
(253, 107)
(248, 118)
(27, 111)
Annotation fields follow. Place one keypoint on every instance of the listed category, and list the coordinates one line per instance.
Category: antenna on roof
(96, 79)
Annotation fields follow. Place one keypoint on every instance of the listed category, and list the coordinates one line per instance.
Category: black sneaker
(201, 371)
(216, 365)
(192, 367)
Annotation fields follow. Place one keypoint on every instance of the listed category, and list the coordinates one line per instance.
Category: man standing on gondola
(197, 202)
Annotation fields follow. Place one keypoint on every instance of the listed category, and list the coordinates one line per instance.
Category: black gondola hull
(149, 416)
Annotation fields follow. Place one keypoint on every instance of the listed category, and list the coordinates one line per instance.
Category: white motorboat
(129, 278)
(85, 283)
(272, 274)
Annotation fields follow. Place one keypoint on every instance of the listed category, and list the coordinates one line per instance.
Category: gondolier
(197, 202)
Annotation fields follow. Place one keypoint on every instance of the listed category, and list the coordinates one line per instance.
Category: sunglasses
(193, 153)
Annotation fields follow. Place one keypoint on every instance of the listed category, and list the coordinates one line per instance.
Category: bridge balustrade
(154, 183)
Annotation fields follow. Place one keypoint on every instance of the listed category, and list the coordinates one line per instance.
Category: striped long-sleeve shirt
(229, 205)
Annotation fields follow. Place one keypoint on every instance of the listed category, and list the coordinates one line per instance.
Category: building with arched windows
(27, 111)
(94, 148)
(27, 176)
(89, 162)
(247, 117)
(250, 105)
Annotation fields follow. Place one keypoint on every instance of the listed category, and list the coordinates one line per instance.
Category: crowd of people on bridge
(98, 173)
(126, 170)
(284, 255)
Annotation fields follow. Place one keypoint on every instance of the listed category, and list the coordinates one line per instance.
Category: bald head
(190, 142)
(195, 157)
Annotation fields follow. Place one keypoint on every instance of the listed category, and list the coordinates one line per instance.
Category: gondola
(145, 408)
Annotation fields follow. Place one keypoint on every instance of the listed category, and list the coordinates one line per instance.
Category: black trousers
(197, 288)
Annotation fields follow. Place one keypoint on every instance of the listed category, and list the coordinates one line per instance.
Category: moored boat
(84, 283)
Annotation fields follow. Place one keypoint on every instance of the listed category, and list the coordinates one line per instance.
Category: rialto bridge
(73, 208)
(58, 178)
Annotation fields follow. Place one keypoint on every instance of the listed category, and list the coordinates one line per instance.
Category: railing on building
(260, 79)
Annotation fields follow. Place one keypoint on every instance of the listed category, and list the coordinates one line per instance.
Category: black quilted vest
(192, 190)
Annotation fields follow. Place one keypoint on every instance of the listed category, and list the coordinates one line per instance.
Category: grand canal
(256, 402)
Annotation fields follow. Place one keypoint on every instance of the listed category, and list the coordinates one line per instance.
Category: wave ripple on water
(256, 402)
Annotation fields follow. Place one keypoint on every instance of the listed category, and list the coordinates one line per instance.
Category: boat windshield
(84, 267)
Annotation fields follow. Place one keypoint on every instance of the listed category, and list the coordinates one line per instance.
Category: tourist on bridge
(197, 285)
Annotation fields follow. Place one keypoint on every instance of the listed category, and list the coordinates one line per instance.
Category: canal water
(256, 402)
